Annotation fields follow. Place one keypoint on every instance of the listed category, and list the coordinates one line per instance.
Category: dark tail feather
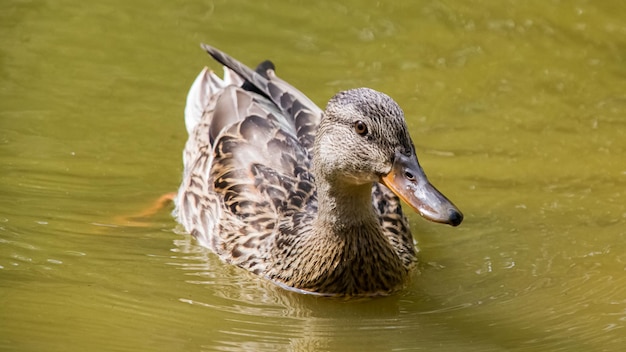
(262, 70)
(255, 81)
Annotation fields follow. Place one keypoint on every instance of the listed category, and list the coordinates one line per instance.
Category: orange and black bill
(408, 181)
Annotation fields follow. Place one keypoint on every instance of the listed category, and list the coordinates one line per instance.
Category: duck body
(304, 197)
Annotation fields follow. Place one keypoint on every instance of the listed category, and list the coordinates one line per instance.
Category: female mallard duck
(299, 195)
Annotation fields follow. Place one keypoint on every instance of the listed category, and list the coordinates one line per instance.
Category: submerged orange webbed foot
(136, 220)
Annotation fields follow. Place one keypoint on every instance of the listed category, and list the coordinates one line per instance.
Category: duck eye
(360, 127)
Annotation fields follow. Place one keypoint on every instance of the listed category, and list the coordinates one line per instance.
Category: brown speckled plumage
(278, 187)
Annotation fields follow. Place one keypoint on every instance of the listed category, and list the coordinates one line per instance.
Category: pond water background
(517, 110)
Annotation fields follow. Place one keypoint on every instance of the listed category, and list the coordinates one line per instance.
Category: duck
(306, 198)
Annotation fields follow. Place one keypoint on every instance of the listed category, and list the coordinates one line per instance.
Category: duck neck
(345, 207)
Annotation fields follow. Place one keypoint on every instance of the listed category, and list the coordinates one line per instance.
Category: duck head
(363, 138)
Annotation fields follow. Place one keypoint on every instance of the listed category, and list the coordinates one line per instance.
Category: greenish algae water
(517, 109)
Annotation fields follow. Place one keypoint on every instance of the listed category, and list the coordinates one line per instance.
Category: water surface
(518, 115)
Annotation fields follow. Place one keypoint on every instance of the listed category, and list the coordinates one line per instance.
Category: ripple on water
(257, 313)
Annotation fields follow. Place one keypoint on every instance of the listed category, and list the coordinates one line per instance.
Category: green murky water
(517, 110)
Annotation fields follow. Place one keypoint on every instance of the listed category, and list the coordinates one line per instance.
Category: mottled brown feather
(249, 194)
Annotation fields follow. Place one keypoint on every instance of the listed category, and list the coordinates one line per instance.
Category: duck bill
(408, 181)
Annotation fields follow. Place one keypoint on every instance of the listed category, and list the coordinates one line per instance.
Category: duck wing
(247, 159)
(395, 224)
